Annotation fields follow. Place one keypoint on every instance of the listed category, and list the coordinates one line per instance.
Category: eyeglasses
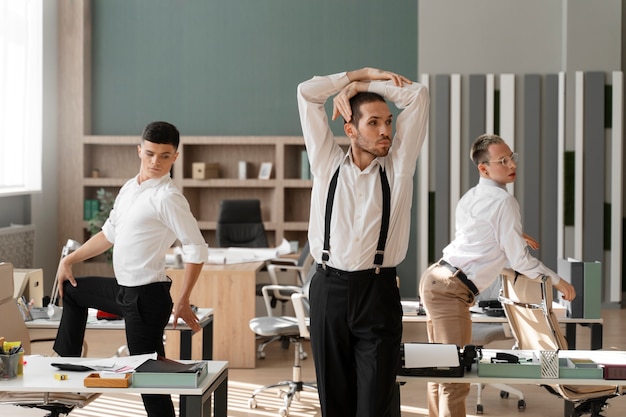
(506, 160)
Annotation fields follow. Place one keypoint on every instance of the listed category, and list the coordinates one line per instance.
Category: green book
(592, 287)
(305, 168)
(166, 373)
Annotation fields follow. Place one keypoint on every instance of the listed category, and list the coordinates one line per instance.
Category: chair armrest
(303, 318)
(271, 270)
(276, 289)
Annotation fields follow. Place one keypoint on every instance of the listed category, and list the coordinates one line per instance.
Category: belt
(456, 272)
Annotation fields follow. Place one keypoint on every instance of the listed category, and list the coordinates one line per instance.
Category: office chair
(13, 328)
(240, 225)
(486, 333)
(297, 329)
(528, 306)
(286, 270)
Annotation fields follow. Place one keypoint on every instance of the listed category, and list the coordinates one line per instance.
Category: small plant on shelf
(105, 205)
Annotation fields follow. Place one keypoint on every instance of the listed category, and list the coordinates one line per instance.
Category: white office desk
(194, 402)
(596, 326)
(205, 319)
(598, 356)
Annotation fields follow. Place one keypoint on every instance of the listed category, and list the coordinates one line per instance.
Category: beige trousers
(447, 302)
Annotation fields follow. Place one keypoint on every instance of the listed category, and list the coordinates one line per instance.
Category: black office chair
(240, 225)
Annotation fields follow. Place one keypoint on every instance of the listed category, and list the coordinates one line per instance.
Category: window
(21, 43)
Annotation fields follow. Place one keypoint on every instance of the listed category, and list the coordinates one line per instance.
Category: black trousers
(146, 311)
(356, 329)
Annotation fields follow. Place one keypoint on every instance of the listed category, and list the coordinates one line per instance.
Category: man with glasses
(488, 238)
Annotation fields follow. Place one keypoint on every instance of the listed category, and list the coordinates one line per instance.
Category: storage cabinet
(109, 161)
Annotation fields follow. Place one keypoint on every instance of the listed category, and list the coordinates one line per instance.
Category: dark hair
(161, 132)
(358, 100)
(480, 148)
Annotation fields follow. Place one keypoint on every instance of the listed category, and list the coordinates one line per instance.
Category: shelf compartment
(111, 160)
(228, 157)
(297, 204)
(205, 202)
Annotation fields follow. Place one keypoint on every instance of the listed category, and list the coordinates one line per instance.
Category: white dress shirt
(357, 211)
(489, 237)
(146, 220)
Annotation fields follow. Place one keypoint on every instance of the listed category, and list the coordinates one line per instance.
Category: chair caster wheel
(252, 403)
(283, 412)
(521, 405)
(479, 409)
(260, 355)
(504, 394)
(303, 356)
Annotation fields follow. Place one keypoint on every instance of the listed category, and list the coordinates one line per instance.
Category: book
(573, 272)
(305, 168)
(592, 285)
(164, 373)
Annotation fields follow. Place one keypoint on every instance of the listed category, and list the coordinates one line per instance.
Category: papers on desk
(222, 256)
(121, 364)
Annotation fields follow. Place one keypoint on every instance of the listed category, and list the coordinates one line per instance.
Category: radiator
(17, 245)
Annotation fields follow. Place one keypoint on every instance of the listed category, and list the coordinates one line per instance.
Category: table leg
(200, 405)
(185, 344)
(596, 336)
(570, 335)
(207, 341)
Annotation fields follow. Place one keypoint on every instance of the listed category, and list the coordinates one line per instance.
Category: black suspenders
(384, 226)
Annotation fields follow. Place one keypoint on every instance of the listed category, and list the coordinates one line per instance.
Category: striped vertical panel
(560, 249)
(549, 152)
(490, 110)
(578, 177)
(617, 135)
(442, 162)
(531, 162)
(477, 116)
(593, 168)
(455, 147)
(423, 168)
(507, 113)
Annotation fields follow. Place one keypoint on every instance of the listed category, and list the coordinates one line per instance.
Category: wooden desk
(231, 291)
(194, 402)
(184, 333)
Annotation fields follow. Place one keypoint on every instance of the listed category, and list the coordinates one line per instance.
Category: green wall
(231, 67)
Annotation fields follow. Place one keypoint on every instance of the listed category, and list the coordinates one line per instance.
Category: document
(430, 355)
(221, 256)
(116, 364)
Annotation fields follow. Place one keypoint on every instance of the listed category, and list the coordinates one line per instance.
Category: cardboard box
(205, 170)
(95, 380)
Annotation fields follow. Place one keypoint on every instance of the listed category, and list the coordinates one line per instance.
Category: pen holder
(549, 360)
(9, 365)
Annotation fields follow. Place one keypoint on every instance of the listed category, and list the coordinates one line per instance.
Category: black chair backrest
(240, 224)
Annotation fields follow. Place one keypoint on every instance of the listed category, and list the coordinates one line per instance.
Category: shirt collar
(376, 161)
(491, 183)
(152, 182)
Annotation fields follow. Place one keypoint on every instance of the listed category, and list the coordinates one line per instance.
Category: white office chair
(297, 271)
(297, 329)
(485, 333)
